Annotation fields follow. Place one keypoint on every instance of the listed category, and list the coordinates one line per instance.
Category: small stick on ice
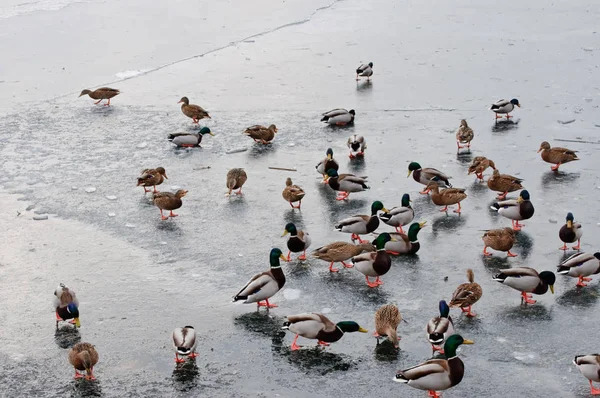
(281, 168)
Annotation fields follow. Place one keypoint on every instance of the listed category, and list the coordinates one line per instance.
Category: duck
(66, 305)
(501, 239)
(437, 374)
(357, 145)
(361, 224)
(83, 357)
(446, 197)
(516, 210)
(589, 367)
(152, 178)
(102, 93)
(236, 178)
(169, 201)
(502, 107)
(261, 134)
(427, 175)
(365, 70)
(557, 155)
(261, 287)
(184, 343)
(189, 140)
(399, 216)
(581, 266)
(504, 183)
(467, 294)
(318, 327)
(479, 165)
(527, 280)
(298, 242)
(570, 232)
(387, 319)
(405, 243)
(339, 117)
(374, 264)
(194, 112)
(440, 328)
(464, 135)
(346, 183)
(292, 193)
(339, 252)
(327, 164)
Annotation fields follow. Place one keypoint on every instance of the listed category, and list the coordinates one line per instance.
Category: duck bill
(465, 341)
(284, 233)
(385, 210)
(519, 105)
(520, 200)
(328, 157)
(211, 133)
(569, 224)
(540, 150)
(77, 323)
(362, 330)
(281, 256)
(180, 102)
(552, 288)
(393, 240)
(409, 173)
(423, 224)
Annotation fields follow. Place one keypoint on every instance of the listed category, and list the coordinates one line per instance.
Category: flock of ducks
(372, 259)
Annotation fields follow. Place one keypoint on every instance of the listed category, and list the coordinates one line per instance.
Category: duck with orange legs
(527, 281)
(318, 327)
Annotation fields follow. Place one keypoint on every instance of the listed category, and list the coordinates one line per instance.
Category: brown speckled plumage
(261, 133)
(292, 193)
(387, 319)
(83, 357)
(466, 294)
(501, 239)
(556, 155)
(504, 182)
(236, 178)
(480, 164)
(195, 112)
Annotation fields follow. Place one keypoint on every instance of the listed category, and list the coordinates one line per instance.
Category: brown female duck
(447, 197)
(152, 178)
(479, 165)
(261, 133)
(387, 319)
(556, 155)
(501, 239)
(292, 193)
(83, 357)
(169, 201)
(102, 93)
(195, 112)
(338, 252)
(464, 135)
(467, 294)
(504, 183)
(236, 178)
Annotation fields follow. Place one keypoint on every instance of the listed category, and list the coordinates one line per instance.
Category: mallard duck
(83, 357)
(292, 193)
(195, 112)
(102, 93)
(236, 178)
(446, 197)
(527, 280)
(357, 145)
(374, 264)
(570, 232)
(464, 135)
(467, 294)
(169, 201)
(504, 183)
(365, 70)
(261, 134)
(261, 287)
(501, 239)
(479, 165)
(318, 327)
(399, 216)
(516, 210)
(427, 175)
(346, 183)
(152, 178)
(387, 319)
(502, 107)
(189, 139)
(437, 374)
(589, 367)
(405, 243)
(581, 265)
(339, 117)
(66, 305)
(440, 327)
(298, 242)
(338, 252)
(327, 164)
(556, 155)
(361, 224)
(184, 343)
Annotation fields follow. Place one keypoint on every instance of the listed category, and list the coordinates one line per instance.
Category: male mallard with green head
(556, 155)
(581, 265)
(66, 305)
(504, 107)
(589, 367)
(570, 233)
(527, 281)
(516, 210)
(318, 327)
(357, 145)
(195, 112)
(375, 264)
(327, 164)
(339, 117)
(189, 140)
(361, 224)
(340, 252)
(102, 93)
(152, 178)
(405, 243)
(399, 216)
(169, 201)
(440, 327)
(184, 343)
(298, 242)
(345, 184)
(364, 70)
(83, 357)
(426, 175)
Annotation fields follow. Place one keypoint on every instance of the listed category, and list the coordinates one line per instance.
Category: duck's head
(206, 130)
(332, 173)
(273, 128)
(452, 343)
(463, 123)
(548, 278)
(86, 361)
(378, 206)
(412, 167)
(544, 145)
(570, 220)
(274, 257)
(382, 239)
(288, 182)
(329, 153)
(350, 326)
(515, 102)
(371, 64)
(352, 112)
(162, 171)
(444, 309)
(74, 311)
(290, 228)
(414, 229)
(84, 92)
(406, 200)
(181, 193)
(523, 196)
(184, 100)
